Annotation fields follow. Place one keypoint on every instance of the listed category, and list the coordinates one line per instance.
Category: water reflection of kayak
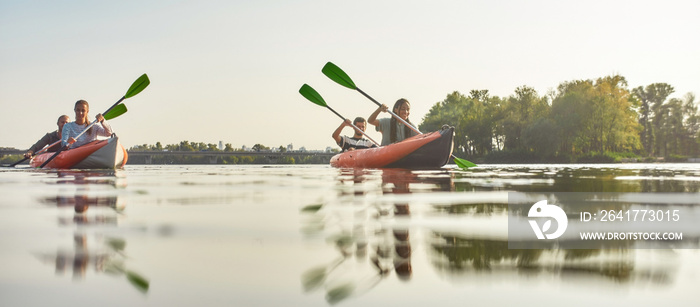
(430, 150)
(103, 154)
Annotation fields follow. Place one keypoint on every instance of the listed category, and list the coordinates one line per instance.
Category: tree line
(598, 120)
(200, 159)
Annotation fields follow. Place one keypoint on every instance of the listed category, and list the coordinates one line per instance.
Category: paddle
(139, 85)
(114, 113)
(339, 76)
(313, 96)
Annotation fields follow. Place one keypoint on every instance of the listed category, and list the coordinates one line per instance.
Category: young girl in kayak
(71, 130)
(393, 130)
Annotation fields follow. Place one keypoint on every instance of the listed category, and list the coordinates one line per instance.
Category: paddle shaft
(80, 134)
(18, 162)
(38, 152)
(353, 125)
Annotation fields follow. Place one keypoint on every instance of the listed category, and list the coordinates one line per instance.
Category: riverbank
(507, 157)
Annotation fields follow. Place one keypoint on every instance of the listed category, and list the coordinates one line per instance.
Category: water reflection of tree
(655, 180)
(571, 203)
(478, 254)
(577, 179)
(456, 255)
(480, 209)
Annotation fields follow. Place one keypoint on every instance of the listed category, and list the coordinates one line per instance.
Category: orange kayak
(101, 154)
(425, 151)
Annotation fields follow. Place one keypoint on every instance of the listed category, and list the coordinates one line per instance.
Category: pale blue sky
(230, 70)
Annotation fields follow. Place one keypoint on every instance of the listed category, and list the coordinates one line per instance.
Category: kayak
(100, 154)
(430, 150)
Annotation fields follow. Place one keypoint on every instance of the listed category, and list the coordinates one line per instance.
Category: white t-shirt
(385, 128)
(71, 130)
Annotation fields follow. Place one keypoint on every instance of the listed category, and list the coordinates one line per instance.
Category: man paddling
(356, 141)
(49, 138)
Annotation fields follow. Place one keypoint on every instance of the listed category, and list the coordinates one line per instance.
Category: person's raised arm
(372, 120)
(336, 133)
(106, 128)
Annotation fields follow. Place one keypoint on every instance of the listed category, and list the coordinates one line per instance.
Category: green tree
(692, 125)
(595, 116)
(614, 121)
(569, 113)
(541, 137)
(472, 118)
(677, 122)
(480, 126)
(450, 111)
(185, 146)
(521, 110)
(651, 99)
(260, 147)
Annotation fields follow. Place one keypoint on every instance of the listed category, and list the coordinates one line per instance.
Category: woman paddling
(392, 130)
(73, 129)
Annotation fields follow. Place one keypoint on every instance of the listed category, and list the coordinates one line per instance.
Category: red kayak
(101, 154)
(425, 151)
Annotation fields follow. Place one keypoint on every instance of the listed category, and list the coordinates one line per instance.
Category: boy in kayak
(356, 141)
(49, 138)
(393, 131)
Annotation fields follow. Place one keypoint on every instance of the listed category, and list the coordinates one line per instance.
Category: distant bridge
(215, 155)
(147, 156)
(232, 153)
(8, 152)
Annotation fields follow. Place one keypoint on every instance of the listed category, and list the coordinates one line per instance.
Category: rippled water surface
(314, 236)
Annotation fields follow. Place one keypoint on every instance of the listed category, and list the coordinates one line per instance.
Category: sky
(230, 71)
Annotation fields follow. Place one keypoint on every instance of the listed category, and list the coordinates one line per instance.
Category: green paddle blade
(464, 164)
(115, 112)
(138, 86)
(338, 75)
(312, 95)
(138, 281)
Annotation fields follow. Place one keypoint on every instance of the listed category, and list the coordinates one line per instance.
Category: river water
(213, 235)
